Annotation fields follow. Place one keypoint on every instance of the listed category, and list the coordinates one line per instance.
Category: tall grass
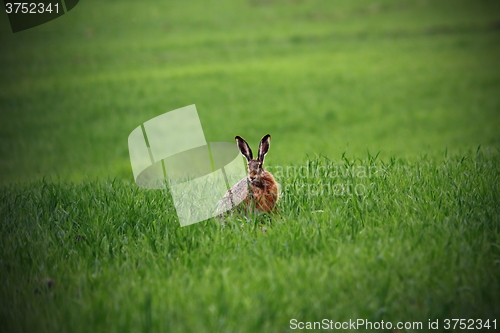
(418, 241)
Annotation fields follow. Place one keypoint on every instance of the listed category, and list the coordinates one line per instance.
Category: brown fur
(263, 190)
(264, 194)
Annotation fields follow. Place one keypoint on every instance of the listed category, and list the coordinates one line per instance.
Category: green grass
(409, 235)
(417, 240)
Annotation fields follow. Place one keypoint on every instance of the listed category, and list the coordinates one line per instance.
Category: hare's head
(255, 166)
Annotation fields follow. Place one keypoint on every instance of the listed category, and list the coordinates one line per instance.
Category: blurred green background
(403, 78)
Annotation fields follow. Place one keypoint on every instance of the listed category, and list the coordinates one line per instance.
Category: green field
(385, 122)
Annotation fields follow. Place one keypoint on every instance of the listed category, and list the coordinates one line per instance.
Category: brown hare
(258, 192)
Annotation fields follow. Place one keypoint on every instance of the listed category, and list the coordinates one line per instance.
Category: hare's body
(258, 192)
(264, 195)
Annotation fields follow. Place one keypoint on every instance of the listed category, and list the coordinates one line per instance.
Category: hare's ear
(244, 147)
(264, 147)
